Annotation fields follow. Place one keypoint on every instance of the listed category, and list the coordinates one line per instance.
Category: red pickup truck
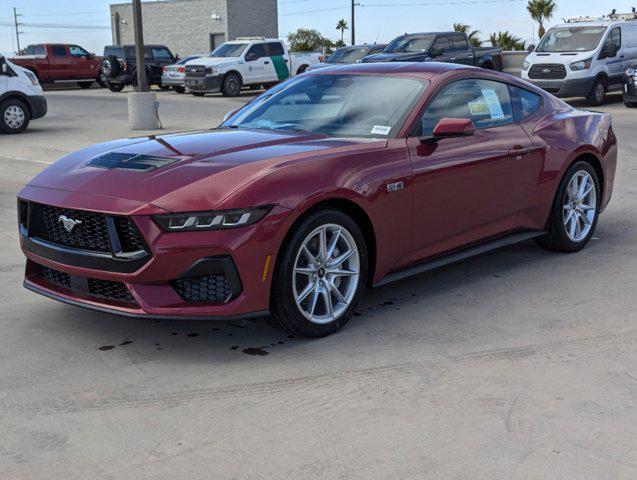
(57, 62)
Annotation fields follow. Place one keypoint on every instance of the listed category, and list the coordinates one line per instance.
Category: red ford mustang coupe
(333, 181)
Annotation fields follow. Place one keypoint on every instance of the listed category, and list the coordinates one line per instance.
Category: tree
(339, 44)
(474, 41)
(308, 40)
(342, 26)
(507, 41)
(540, 11)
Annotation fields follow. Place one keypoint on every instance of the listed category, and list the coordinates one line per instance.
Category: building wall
(182, 25)
(250, 18)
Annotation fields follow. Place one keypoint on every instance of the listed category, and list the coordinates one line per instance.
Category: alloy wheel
(580, 206)
(14, 117)
(326, 273)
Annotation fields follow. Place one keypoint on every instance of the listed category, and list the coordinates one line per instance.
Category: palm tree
(507, 41)
(541, 10)
(471, 34)
(342, 26)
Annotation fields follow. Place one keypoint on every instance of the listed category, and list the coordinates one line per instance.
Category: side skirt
(457, 256)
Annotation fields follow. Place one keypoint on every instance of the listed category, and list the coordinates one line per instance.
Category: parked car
(60, 63)
(630, 87)
(249, 61)
(119, 67)
(347, 177)
(175, 75)
(349, 54)
(449, 47)
(584, 57)
(21, 97)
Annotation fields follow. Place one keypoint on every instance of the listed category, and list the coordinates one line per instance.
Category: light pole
(17, 31)
(139, 47)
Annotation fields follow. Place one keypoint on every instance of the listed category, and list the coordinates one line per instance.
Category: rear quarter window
(525, 103)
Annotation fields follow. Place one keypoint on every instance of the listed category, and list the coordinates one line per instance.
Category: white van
(585, 57)
(21, 98)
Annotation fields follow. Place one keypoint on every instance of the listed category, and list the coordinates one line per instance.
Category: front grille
(547, 71)
(115, 291)
(207, 288)
(195, 71)
(110, 290)
(55, 276)
(90, 232)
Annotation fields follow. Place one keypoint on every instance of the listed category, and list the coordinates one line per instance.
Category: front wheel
(319, 276)
(231, 86)
(575, 210)
(14, 116)
(596, 97)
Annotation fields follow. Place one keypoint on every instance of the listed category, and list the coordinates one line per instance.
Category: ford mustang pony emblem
(68, 223)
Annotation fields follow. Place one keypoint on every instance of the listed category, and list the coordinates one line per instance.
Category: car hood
(210, 61)
(397, 57)
(184, 172)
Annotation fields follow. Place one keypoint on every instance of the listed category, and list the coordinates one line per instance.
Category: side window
(441, 43)
(258, 50)
(39, 50)
(614, 38)
(59, 50)
(161, 54)
(77, 52)
(459, 42)
(486, 103)
(275, 48)
(30, 50)
(524, 103)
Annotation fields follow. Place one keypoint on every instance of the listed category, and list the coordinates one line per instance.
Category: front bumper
(207, 84)
(630, 89)
(577, 87)
(38, 106)
(159, 286)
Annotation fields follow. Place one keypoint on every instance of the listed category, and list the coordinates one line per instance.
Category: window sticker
(493, 103)
(478, 108)
(380, 130)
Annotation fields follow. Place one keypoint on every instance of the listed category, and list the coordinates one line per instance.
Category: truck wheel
(179, 89)
(231, 86)
(598, 92)
(115, 87)
(85, 84)
(14, 116)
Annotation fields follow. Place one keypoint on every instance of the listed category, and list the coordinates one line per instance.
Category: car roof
(422, 69)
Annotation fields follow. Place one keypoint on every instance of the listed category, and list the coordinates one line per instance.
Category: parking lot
(516, 364)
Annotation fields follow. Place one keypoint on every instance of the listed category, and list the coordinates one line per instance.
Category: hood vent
(130, 161)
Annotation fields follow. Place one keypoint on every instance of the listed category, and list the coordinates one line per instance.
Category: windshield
(571, 39)
(229, 50)
(347, 55)
(410, 44)
(335, 105)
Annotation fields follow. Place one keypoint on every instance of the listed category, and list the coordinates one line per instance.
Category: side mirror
(250, 57)
(531, 48)
(3, 66)
(228, 115)
(450, 128)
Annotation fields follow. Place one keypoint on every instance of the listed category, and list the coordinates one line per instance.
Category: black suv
(119, 69)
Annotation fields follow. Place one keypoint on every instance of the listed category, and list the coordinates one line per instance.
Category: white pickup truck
(251, 62)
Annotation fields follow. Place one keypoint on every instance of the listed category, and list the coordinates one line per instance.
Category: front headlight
(525, 65)
(212, 71)
(582, 64)
(182, 222)
(32, 77)
(631, 72)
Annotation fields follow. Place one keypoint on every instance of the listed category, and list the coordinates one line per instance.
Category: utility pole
(139, 47)
(353, 26)
(17, 31)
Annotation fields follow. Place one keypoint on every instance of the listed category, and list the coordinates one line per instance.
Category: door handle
(452, 59)
(518, 151)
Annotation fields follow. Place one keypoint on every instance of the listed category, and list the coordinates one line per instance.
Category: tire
(115, 87)
(310, 316)
(231, 86)
(14, 116)
(630, 104)
(179, 89)
(197, 94)
(597, 94)
(85, 85)
(557, 237)
(110, 67)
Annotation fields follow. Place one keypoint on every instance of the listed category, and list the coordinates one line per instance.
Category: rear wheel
(575, 210)
(320, 275)
(596, 97)
(14, 116)
(179, 89)
(231, 86)
(85, 84)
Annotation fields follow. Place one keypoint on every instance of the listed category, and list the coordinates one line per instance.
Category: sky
(376, 20)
